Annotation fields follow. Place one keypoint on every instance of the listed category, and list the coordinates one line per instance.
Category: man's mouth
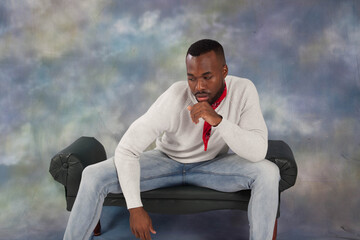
(201, 97)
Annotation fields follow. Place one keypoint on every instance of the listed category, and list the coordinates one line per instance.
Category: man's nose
(201, 85)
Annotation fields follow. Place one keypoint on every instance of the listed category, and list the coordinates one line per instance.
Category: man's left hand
(204, 110)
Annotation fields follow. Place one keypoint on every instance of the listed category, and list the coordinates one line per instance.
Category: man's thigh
(227, 173)
(158, 170)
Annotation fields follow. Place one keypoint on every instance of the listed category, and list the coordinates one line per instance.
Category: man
(194, 124)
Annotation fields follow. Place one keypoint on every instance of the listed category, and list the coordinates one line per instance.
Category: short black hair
(204, 46)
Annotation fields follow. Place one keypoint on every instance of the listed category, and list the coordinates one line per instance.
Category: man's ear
(225, 70)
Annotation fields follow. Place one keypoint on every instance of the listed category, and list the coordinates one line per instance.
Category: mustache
(202, 93)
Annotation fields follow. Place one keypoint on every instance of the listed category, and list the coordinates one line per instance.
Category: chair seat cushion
(185, 199)
(189, 192)
(196, 193)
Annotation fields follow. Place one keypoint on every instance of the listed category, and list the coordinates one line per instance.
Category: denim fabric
(227, 173)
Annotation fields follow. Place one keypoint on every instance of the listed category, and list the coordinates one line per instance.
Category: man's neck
(218, 95)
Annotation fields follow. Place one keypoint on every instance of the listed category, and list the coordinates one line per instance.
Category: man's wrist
(220, 119)
(135, 210)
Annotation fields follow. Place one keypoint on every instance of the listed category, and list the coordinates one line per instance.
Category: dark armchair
(67, 165)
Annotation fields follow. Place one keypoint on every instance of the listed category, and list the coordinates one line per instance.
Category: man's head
(206, 70)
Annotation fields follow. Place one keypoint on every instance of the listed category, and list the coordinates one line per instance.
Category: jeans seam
(92, 219)
(97, 206)
(222, 174)
(159, 176)
(204, 163)
(183, 174)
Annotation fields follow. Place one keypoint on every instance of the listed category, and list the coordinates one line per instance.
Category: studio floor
(223, 224)
(209, 225)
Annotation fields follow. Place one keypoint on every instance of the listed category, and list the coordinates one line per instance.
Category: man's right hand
(140, 223)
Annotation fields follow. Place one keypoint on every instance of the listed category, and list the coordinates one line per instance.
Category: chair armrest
(280, 153)
(67, 165)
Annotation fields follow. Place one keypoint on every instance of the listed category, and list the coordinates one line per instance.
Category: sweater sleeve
(136, 139)
(249, 137)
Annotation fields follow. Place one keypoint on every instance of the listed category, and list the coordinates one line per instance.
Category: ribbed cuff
(133, 203)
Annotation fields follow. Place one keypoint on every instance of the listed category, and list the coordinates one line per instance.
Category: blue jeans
(227, 173)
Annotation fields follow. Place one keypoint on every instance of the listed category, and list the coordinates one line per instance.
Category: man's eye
(207, 77)
(190, 79)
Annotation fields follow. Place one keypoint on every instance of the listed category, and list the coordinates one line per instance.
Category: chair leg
(275, 230)
(97, 230)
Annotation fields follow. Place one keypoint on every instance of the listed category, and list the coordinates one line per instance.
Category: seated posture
(194, 124)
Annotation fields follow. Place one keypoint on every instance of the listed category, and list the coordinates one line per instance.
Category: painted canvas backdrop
(73, 68)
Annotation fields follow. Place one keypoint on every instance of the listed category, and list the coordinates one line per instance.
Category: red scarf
(207, 126)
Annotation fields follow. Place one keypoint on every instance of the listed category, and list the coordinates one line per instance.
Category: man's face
(206, 76)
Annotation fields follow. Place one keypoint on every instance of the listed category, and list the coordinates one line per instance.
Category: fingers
(205, 111)
(195, 113)
(144, 235)
(141, 224)
(152, 229)
(196, 116)
(147, 235)
(199, 110)
(191, 115)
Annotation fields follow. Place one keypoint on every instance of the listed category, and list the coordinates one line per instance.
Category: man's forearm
(129, 177)
(251, 145)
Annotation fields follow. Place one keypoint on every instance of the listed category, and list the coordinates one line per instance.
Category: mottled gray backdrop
(73, 68)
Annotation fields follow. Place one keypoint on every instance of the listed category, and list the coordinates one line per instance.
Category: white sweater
(242, 128)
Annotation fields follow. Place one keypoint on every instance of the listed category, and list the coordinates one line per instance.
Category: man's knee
(268, 172)
(91, 178)
(88, 173)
